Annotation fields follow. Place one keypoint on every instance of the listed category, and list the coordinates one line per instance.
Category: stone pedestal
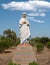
(24, 54)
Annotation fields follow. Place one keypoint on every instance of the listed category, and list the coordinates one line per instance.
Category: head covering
(24, 13)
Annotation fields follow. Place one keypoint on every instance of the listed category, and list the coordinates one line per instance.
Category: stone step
(24, 54)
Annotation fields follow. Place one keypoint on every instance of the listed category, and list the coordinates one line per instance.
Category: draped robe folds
(24, 29)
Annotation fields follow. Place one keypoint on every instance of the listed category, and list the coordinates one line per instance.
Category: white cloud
(43, 14)
(38, 7)
(17, 6)
(29, 5)
(37, 14)
(35, 20)
(33, 14)
(36, 0)
(40, 21)
(40, 4)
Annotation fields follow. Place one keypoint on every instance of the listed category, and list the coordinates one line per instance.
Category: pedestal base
(24, 54)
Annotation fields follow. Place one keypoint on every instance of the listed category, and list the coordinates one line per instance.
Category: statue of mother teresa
(24, 29)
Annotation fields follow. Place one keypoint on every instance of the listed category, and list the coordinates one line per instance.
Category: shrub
(40, 47)
(48, 45)
(2, 46)
(11, 63)
(44, 40)
(31, 42)
(33, 63)
(17, 41)
(5, 44)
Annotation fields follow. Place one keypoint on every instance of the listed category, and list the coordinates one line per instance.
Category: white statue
(24, 29)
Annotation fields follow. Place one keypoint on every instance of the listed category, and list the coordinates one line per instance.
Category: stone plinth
(24, 54)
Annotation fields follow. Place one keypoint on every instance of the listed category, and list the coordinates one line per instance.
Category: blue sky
(38, 14)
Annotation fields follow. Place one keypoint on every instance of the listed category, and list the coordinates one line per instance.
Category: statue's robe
(24, 29)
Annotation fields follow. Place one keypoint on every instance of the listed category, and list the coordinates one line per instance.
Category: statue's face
(24, 15)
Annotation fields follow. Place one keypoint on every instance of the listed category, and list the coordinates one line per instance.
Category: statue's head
(24, 14)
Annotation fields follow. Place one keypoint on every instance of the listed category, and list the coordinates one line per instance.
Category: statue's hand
(27, 24)
(20, 25)
(24, 22)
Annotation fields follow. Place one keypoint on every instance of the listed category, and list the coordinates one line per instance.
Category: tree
(31, 42)
(48, 45)
(40, 47)
(17, 41)
(33, 63)
(36, 39)
(11, 63)
(10, 34)
(44, 40)
(5, 44)
(7, 33)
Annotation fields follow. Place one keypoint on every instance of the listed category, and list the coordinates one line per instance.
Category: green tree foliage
(48, 45)
(33, 63)
(36, 40)
(44, 40)
(5, 44)
(2, 37)
(17, 41)
(7, 40)
(31, 42)
(1, 46)
(11, 63)
(40, 47)
(10, 34)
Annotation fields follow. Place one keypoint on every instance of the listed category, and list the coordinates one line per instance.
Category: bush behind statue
(18, 41)
(33, 63)
(40, 47)
(48, 45)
